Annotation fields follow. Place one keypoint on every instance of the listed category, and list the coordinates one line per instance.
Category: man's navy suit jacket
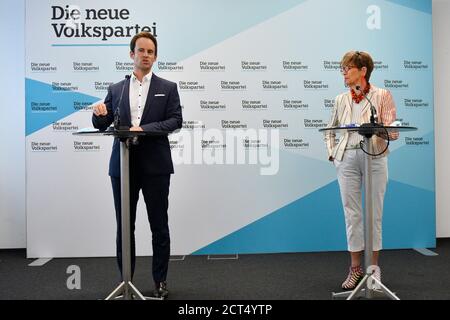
(162, 113)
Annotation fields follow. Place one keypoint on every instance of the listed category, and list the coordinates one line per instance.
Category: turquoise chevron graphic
(408, 214)
(190, 35)
(421, 5)
(289, 229)
(42, 93)
(414, 165)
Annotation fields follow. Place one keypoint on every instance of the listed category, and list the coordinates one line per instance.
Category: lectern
(126, 290)
(369, 287)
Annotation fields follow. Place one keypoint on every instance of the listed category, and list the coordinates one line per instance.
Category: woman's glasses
(345, 69)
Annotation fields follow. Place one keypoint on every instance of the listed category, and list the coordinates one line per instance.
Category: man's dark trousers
(155, 189)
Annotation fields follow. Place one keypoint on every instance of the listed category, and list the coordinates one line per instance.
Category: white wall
(12, 128)
(441, 55)
(12, 124)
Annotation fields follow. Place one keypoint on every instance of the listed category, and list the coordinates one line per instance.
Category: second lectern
(369, 287)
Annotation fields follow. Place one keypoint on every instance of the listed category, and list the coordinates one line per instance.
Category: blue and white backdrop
(257, 79)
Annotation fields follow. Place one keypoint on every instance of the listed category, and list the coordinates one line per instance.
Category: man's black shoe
(161, 290)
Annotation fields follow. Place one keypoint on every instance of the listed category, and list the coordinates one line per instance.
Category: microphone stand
(126, 290)
(117, 126)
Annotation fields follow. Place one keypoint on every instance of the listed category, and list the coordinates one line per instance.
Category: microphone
(135, 140)
(117, 125)
(373, 111)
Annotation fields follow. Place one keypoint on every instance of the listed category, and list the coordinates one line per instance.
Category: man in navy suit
(144, 102)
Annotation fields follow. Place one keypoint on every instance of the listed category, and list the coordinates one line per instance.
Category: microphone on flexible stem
(117, 125)
(134, 140)
(373, 111)
(367, 129)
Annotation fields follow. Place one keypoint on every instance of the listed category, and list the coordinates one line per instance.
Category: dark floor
(292, 276)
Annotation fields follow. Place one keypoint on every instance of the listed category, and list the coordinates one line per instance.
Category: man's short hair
(147, 35)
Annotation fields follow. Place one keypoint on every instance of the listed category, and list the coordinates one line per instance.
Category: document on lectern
(88, 130)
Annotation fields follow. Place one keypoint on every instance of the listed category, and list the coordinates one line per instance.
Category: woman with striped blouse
(353, 108)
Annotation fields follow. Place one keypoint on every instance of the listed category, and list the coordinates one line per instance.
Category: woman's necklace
(359, 97)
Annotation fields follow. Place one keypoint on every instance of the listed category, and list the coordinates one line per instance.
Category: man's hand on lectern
(100, 110)
(136, 129)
